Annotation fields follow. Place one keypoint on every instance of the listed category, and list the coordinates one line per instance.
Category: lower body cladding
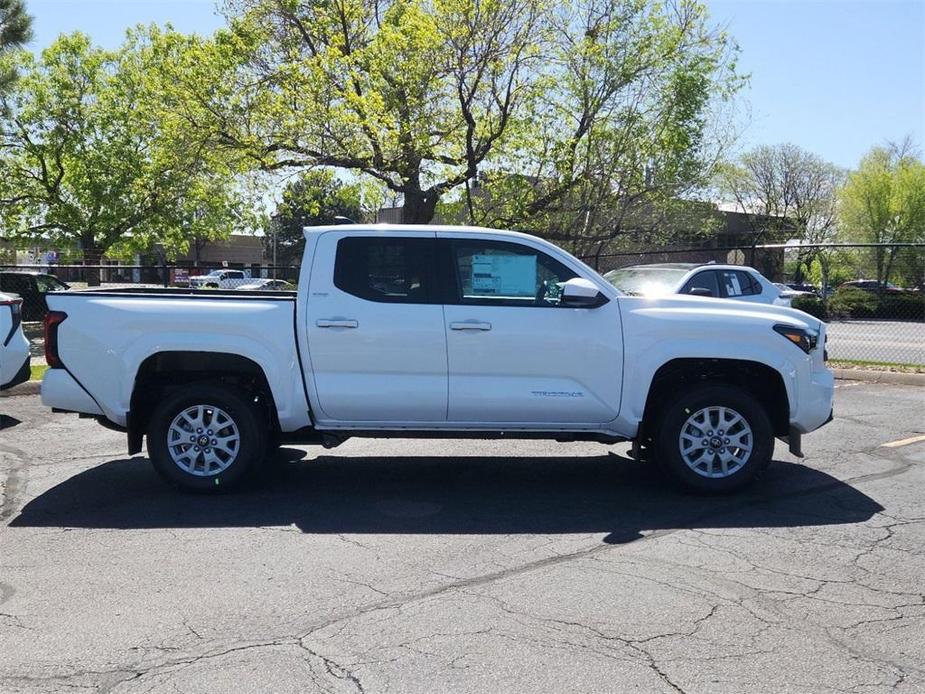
(334, 438)
(21, 375)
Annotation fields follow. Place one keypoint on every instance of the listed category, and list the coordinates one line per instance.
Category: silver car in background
(737, 282)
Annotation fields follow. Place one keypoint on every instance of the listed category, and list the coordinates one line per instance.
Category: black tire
(692, 402)
(247, 454)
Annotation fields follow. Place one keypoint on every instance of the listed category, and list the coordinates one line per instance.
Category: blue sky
(833, 76)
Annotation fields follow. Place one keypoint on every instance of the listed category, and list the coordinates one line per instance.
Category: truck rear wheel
(206, 437)
(714, 439)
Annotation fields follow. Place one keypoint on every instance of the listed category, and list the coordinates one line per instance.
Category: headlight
(804, 339)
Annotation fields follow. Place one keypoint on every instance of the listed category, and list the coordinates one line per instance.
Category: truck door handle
(336, 323)
(470, 325)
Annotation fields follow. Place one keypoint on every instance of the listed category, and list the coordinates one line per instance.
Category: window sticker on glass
(504, 275)
(733, 288)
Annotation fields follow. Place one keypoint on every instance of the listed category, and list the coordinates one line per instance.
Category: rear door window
(50, 284)
(737, 283)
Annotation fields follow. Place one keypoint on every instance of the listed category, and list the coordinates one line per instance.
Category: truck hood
(730, 307)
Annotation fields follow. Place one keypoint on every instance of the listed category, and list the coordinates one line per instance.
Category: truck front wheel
(714, 439)
(205, 437)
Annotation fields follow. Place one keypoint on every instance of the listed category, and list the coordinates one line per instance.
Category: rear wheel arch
(164, 372)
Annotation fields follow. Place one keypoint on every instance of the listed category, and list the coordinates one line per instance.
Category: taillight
(52, 320)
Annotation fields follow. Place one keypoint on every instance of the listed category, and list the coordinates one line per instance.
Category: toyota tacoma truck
(420, 331)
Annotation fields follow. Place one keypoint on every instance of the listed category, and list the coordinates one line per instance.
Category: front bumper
(815, 400)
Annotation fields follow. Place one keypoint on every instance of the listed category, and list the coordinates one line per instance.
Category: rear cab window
(737, 283)
(386, 269)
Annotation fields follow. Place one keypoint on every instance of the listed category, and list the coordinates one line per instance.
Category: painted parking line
(903, 442)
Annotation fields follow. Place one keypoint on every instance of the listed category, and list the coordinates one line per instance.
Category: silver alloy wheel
(203, 440)
(716, 442)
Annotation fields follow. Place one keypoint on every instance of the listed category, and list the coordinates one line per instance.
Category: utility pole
(274, 225)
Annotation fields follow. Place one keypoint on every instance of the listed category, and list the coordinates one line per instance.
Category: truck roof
(399, 228)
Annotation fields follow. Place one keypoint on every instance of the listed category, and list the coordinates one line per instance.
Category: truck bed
(109, 334)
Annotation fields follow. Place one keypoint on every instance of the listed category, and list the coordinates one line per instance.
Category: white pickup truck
(219, 279)
(453, 332)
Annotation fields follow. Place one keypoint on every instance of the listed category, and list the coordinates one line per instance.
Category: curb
(27, 388)
(889, 377)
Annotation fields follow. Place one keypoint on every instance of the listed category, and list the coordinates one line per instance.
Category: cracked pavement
(465, 566)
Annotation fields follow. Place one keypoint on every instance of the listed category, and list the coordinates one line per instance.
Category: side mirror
(581, 293)
(699, 291)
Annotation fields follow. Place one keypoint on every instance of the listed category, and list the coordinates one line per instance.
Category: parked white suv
(422, 331)
(14, 347)
(718, 281)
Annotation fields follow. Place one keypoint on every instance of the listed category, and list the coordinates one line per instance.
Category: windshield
(646, 281)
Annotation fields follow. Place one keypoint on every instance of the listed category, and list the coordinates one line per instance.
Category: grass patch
(876, 366)
(38, 372)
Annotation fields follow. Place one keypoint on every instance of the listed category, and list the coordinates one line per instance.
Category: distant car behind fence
(869, 321)
(34, 282)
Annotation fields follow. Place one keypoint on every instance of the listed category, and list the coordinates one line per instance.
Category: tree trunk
(93, 256)
(890, 258)
(878, 256)
(419, 206)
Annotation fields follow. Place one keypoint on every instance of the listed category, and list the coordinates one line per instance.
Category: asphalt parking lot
(461, 566)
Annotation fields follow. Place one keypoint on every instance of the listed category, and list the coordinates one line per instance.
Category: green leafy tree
(315, 198)
(581, 113)
(410, 93)
(883, 202)
(93, 156)
(623, 134)
(15, 32)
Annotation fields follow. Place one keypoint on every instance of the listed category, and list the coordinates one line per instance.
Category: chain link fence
(34, 282)
(872, 296)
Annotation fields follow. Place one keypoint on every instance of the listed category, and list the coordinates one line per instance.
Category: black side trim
(309, 435)
(25, 371)
(16, 310)
(298, 354)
